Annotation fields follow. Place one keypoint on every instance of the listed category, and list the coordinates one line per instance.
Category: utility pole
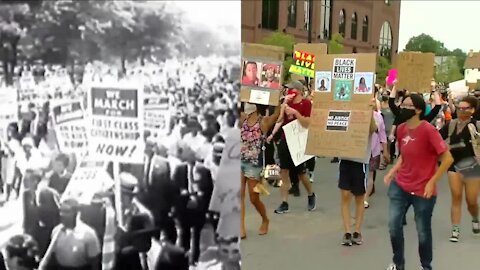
(310, 14)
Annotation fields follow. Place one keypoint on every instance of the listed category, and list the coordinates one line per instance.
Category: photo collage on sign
(265, 74)
(345, 80)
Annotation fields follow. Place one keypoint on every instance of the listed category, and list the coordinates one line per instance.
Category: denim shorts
(251, 171)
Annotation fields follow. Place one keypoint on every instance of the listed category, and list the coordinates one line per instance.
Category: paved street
(303, 240)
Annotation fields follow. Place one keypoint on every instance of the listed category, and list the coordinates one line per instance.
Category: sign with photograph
(341, 118)
(117, 124)
(90, 177)
(70, 127)
(415, 71)
(303, 64)
(323, 81)
(296, 136)
(262, 70)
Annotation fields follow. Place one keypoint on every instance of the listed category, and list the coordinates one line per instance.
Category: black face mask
(407, 114)
(384, 98)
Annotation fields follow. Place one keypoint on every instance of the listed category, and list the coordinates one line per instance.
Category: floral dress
(252, 143)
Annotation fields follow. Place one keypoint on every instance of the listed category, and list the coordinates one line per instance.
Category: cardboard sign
(303, 64)
(296, 136)
(415, 71)
(262, 70)
(117, 124)
(70, 127)
(90, 177)
(340, 120)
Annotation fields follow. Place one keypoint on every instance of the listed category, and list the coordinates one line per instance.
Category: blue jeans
(400, 201)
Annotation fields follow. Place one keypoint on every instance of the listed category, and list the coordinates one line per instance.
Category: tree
(287, 42)
(448, 71)
(383, 66)
(425, 43)
(335, 45)
(461, 57)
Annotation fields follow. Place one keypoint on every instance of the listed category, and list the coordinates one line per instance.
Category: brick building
(367, 25)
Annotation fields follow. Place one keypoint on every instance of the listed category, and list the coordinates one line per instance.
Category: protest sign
(296, 136)
(340, 120)
(90, 177)
(157, 116)
(70, 127)
(303, 64)
(261, 74)
(315, 49)
(415, 71)
(9, 111)
(117, 124)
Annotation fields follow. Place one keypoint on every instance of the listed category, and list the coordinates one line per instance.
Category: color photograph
(363, 83)
(343, 90)
(251, 71)
(323, 81)
(271, 76)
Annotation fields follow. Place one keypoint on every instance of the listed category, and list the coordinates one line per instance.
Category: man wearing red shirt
(297, 108)
(416, 175)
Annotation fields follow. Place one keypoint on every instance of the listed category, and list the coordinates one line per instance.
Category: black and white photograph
(119, 135)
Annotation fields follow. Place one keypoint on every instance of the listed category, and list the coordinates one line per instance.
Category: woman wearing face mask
(253, 130)
(415, 176)
(465, 173)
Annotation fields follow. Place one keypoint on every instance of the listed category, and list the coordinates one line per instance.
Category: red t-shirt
(420, 149)
(304, 107)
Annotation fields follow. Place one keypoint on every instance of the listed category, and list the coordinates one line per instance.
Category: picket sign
(296, 136)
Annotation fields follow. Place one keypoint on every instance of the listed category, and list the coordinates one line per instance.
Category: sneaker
(366, 204)
(347, 240)
(282, 209)
(357, 238)
(393, 266)
(455, 236)
(312, 202)
(476, 227)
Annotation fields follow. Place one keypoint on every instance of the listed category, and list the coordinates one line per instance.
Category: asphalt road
(311, 240)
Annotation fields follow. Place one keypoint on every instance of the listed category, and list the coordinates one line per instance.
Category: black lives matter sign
(344, 69)
(338, 120)
(114, 102)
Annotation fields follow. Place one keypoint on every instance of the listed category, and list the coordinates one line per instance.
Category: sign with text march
(116, 124)
(296, 136)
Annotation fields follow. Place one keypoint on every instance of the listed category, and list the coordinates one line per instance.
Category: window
(385, 42)
(292, 13)
(353, 33)
(341, 22)
(325, 19)
(270, 14)
(365, 29)
(387, 2)
(306, 11)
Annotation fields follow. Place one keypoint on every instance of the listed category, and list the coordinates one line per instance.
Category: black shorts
(353, 177)
(286, 162)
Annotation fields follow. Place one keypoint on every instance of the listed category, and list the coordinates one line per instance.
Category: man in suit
(194, 187)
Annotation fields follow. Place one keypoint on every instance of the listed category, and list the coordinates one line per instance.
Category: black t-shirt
(464, 137)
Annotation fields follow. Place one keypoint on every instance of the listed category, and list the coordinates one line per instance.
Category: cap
(295, 85)
(270, 66)
(128, 182)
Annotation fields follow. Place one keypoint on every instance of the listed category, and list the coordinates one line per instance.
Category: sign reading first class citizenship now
(344, 69)
(116, 124)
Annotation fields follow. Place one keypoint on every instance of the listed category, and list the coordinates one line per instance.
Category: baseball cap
(295, 85)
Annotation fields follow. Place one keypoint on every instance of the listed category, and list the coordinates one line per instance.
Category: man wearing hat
(296, 108)
(271, 72)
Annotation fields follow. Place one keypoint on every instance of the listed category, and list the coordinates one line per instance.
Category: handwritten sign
(116, 124)
(415, 71)
(296, 136)
(304, 64)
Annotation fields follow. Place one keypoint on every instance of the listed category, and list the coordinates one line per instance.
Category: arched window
(341, 22)
(385, 41)
(365, 29)
(325, 22)
(353, 32)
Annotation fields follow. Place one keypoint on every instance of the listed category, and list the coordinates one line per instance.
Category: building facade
(366, 25)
